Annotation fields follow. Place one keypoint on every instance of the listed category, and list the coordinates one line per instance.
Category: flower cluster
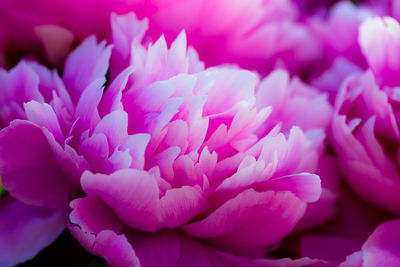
(166, 145)
(201, 132)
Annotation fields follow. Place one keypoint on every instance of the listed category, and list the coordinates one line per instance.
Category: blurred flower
(380, 249)
(365, 125)
(343, 19)
(256, 34)
(170, 156)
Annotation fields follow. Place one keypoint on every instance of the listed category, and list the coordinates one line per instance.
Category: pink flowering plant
(199, 133)
(366, 118)
(168, 153)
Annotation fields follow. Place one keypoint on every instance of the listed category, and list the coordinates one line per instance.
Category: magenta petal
(49, 81)
(126, 31)
(95, 149)
(272, 91)
(68, 159)
(115, 127)
(84, 238)
(22, 84)
(115, 249)
(382, 247)
(305, 186)
(29, 170)
(19, 85)
(134, 195)
(165, 244)
(137, 145)
(353, 260)
(25, 230)
(87, 63)
(193, 253)
(173, 249)
(93, 216)
(379, 41)
(111, 100)
(43, 115)
(375, 182)
(86, 110)
(326, 207)
(250, 221)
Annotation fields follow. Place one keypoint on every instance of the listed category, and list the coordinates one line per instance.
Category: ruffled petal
(86, 64)
(134, 195)
(36, 180)
(114, 248)
(250, 221)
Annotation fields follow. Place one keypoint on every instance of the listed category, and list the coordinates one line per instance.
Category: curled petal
(36, 180)
(256, 226)
(134, 195)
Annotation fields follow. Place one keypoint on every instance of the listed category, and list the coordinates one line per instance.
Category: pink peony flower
(365, 125)
(48, 29)
(257, 34)
(344, 19)
(25, 227)
(254, 34)
(209, 166)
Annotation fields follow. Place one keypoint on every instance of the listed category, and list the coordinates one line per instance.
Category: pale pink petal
(256, 226)
(86, 64)
(134, 196)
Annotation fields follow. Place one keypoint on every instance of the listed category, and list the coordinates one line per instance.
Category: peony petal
(84, 65)
(35, 179)
(165, 244)
(127, 30)
(250, 222)
(134, 196)
(379, 39)
(86, 111)
(96, 151)
(381, 247)
(111, 100)
(44, 116)
(115, 249)
(93, 216)
(194, 253)
(20, 85)
(237, 85)
(272, 91)
(137, 145)
(305, 186)
(25, 230)
(115, 127)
